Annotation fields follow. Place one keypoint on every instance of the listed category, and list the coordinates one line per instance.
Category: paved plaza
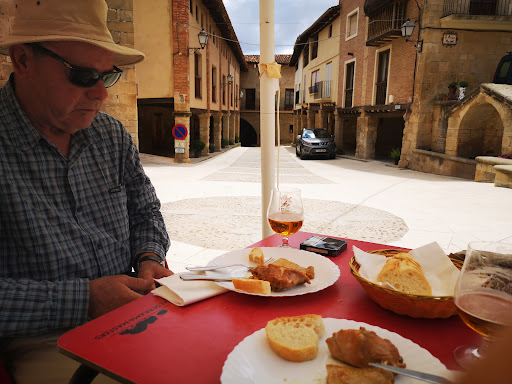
(213, 204)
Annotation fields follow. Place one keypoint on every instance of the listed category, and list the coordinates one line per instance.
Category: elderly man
(77, 212)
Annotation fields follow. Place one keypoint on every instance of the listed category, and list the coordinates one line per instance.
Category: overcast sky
(292, 17)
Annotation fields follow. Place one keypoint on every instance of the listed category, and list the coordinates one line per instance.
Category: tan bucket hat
(69, 20)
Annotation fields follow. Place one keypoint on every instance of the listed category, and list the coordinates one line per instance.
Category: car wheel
(302, 155)
(332, 155)
(297, 150)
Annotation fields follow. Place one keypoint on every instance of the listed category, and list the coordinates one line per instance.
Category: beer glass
(483, 295)
(285, 212)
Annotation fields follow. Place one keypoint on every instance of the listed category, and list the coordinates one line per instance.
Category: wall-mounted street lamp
(203, 40)
(230, 80)
(407, 31)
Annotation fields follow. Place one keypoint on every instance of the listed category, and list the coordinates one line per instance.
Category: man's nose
(98, 91)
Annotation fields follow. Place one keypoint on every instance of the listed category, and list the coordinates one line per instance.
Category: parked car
(315, 142)
(503, 74)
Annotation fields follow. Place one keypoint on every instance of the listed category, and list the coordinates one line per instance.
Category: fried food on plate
(280, 278)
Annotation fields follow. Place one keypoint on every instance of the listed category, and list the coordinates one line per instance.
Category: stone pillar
(237, 123)
(331, 122)
(204, 132)
(366, 136)
(183, 117)
(232, 128)
(323, 118)
(303, 118)
(338, 130)
(217, 131)
(225, 126)
(310, 118)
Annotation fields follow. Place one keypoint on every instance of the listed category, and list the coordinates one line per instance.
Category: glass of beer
(483, 295)
(285, 212)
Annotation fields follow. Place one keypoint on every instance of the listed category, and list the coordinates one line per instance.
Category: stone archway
(248, 135)
(482, 124)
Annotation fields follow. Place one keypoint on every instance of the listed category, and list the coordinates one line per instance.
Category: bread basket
(429, 307)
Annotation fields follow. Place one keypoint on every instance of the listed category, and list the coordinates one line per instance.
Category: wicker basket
(430, 307)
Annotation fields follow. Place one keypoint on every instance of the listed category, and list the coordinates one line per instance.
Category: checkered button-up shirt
(64, 221)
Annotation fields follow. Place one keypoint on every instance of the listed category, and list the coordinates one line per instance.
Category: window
(330, 31)
(349, 84)
(288, 99)
(202, 21)
(191, 7)
(250, 99)
(197, 14)
(237, 97)
(352, 19)
(314, 47)
(382, 78)
(314, 82)
(224, 84)
(214, 85)
(306, 55)
(327, 81)
(197, 75)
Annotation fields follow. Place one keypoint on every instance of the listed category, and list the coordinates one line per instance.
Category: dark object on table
(326, 246)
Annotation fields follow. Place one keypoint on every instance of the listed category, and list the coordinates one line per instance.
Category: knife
(416, 374)
(207, 278)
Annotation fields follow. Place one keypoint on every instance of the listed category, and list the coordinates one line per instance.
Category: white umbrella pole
(267, 111)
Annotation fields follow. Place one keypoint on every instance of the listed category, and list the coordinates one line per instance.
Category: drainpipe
(267, 111)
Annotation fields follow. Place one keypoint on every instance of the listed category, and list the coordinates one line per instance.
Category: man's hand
(150, 270)
(111, 292)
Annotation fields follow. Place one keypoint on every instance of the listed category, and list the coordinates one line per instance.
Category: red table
(151, 340)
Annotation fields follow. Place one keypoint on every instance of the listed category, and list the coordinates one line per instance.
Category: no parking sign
(179, 132)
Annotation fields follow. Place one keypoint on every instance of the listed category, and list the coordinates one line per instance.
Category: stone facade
(250, 131)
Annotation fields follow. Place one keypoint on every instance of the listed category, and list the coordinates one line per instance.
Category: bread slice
(295, 338)
(257, 256)
(405, 275)
(309, 271)
(252, 286)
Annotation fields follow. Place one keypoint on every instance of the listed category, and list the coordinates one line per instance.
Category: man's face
(61, 106)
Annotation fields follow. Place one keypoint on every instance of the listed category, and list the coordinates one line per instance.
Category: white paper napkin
(437, 267)
(183, 293)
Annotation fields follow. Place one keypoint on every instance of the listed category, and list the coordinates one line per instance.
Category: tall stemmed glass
(285, 212)
(483, 295)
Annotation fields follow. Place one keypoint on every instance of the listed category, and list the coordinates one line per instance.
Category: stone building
(316, 62)
(182, 83)
(250, 102)
(122, 99)
(461, 40)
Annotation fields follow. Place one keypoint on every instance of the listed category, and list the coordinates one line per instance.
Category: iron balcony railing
(321, 89)
(477, 7)
(386, 22)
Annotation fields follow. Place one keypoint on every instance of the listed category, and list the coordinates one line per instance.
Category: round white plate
(326, 272)
(253, 361)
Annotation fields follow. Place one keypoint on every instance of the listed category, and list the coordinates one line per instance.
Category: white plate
(252, 361)
(326, 272)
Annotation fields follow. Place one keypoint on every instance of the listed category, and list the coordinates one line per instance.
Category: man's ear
(22, 58)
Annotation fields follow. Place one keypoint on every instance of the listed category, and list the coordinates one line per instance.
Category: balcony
(385, 22)
(477, 7)
(321, 90)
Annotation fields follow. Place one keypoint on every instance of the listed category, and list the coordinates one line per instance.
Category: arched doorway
(248, 136)
(480, 132)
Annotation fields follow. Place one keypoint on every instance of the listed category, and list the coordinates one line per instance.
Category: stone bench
(503, 176)
(485, 171)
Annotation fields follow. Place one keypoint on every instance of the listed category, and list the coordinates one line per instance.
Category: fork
(214, 267)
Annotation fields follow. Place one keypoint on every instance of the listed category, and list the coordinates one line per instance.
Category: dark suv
(315, 142)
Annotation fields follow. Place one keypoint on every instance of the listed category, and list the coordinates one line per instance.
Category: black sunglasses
(80, 76)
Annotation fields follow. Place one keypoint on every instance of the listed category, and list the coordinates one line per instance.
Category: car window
(322, 134)
(308, 134)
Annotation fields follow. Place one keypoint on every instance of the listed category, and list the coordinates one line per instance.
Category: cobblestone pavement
(213, 205)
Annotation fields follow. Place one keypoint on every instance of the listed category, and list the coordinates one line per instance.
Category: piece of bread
(346, 374)
(405, 275)
(257, 256)
(295, 338)
(309, 271)
(252, 286)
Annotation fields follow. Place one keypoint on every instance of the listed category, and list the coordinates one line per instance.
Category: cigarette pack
(326, 246)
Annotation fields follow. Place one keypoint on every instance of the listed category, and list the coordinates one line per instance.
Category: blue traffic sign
(180, 132)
